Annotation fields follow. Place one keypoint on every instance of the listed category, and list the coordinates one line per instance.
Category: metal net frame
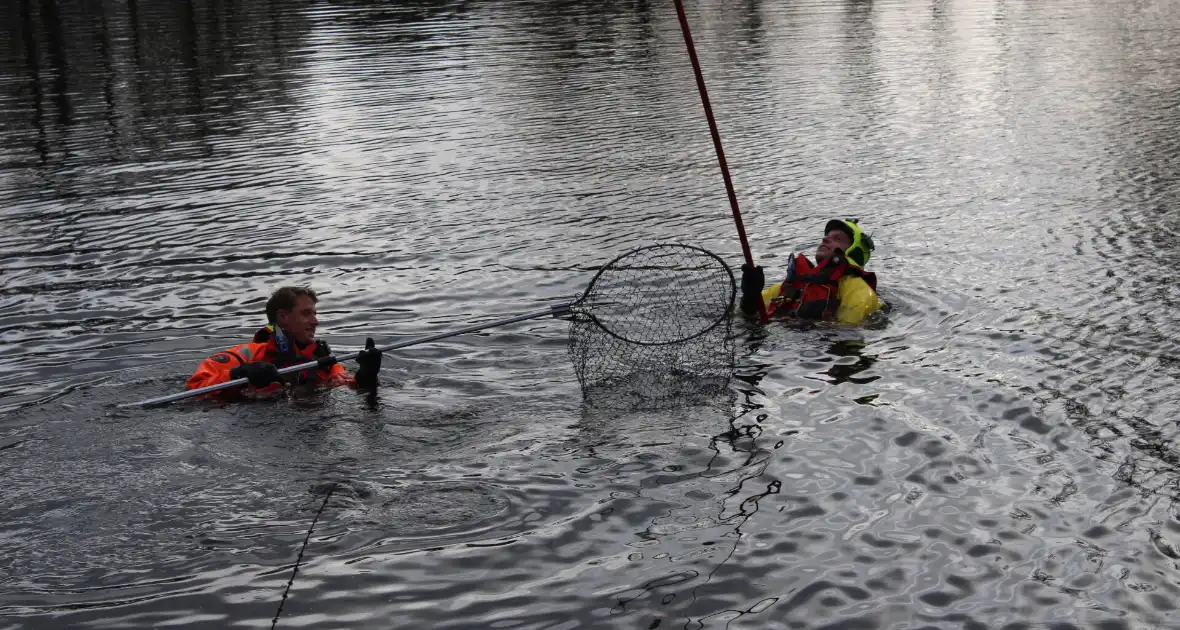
(654, 329)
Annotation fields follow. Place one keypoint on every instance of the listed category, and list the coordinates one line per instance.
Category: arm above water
(369, 361)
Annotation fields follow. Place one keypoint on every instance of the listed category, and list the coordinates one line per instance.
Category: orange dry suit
(835, 289)
(271, 346)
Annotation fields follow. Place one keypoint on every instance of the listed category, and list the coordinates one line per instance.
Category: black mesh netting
(653, 329)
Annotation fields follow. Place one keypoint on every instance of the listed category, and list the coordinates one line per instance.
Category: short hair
(284, 300)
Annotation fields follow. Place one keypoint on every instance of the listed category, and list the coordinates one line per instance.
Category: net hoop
(722, 313)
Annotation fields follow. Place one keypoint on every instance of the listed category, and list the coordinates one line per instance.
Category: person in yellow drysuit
(835, 288)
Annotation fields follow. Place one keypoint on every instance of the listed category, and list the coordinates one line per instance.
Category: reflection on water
(1000, 451)
(851, 361)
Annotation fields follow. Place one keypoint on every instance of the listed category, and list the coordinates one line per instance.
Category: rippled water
(1001, 452)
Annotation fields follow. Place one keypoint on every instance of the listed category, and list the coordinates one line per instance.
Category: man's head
(845, 235)
(293, 310)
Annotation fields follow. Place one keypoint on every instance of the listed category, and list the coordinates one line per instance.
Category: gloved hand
(753, 279)
(321, 349)
(260, 374)
(369, 361)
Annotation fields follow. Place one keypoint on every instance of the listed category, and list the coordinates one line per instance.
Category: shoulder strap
(826, 272)
(869, 277)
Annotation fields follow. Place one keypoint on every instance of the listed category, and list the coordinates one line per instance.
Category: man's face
(300, 321)
(836, 239)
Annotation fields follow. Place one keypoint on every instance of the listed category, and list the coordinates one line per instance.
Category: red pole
(733, 202)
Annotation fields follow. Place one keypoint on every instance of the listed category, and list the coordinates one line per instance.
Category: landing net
(653, 329)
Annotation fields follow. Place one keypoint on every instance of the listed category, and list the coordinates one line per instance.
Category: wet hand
(753, 279)
(369, 361)
(321, 349)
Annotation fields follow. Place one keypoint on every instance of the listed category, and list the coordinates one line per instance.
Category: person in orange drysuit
(288, 339)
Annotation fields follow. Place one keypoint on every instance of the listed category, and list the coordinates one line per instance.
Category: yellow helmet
(862, 244)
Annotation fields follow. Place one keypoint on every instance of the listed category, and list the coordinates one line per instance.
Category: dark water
(1001, 452)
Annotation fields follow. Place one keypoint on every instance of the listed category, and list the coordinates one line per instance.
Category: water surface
(999, 452)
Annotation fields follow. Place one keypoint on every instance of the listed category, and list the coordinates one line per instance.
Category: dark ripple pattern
(1000, 451)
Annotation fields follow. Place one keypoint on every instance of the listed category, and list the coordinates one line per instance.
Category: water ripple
(998, 451)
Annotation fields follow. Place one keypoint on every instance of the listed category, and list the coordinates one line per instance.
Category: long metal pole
(733, 202)
(555, 310)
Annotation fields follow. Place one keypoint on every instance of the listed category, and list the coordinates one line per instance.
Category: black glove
(369, 361)
(753, 281)
(260, 374)
(321, 349)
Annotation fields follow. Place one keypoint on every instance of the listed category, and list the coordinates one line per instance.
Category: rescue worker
(288, 339)
(835, 288)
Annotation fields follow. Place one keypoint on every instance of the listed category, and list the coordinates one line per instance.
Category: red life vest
(284, 352)
(813, 291)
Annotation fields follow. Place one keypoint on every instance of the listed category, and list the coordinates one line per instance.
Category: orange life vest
(266, 348)
(813, 291)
